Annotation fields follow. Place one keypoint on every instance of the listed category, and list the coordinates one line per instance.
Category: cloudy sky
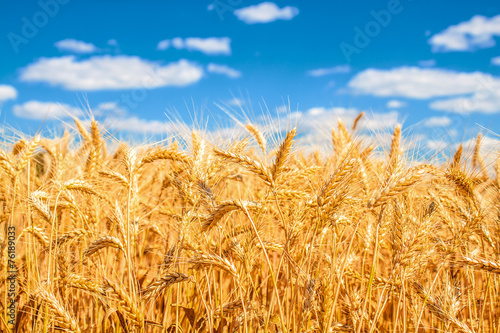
(434, 66)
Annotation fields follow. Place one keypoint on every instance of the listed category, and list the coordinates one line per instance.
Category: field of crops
(244, 235)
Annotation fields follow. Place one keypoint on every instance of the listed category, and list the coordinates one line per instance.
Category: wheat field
(245, 236)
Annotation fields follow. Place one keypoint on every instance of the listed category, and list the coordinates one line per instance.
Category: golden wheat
(223, 236)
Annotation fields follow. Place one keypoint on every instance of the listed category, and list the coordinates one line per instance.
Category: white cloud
(437, 122)
(488, 145)
(395, 104)
(109, 108)
(427, 63)
(209, 46)
(477, 33)
(321, 116)
(224, 70)
(178, 43)
(163, 45)
(138, 125)
(76, 46)
(484, 98)
(115, 117)
(496, 61)
(418, 83)
(40, 110)
(282, 109)
(110, 72)
(437, 144)
(487, 103)
(488, 150)
(7, 92)
(328, 71)
(480, 91)
(265, 12)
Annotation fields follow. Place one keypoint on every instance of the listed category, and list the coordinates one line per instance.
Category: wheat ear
(104, 242)
(261, 140)
(64, 320)
(41, 207)
(83, 131)
(283, 154)
(127, 305)
(253, 165)
(6, 163)
(395, 188)
(221, 210)
(158, 287)
(457, 157)
(357, 120)
(19, 146)
(166, 154)
(204, 260)
(26, 153)
(481, 264)
(437, 309)
(84, 283)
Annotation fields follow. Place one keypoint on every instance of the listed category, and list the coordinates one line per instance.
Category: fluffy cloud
(488, 150)
(115, 118)
(137, 125)
(477, 33)
(395, 104)
(7, 92)
(418, 83)
(484, 98)
(328, 71)
(109, 108)
(163, 44)
(224, 70)
(486, 102)
(76, 46)
(437, 144)
(480, 91)
(496, 61)
(265, 12)
(437, 122)
(210, 46)
(42, 110)
(327, 117)
(110, 72)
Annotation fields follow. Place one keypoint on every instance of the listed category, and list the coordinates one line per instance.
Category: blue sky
(435, 66)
